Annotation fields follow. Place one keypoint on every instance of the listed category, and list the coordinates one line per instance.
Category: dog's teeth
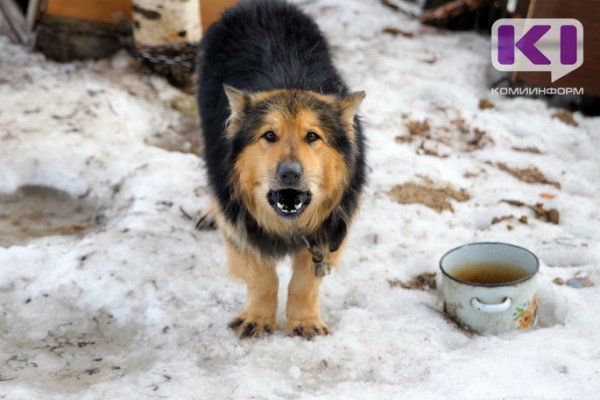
(280, 206)
(298, 206)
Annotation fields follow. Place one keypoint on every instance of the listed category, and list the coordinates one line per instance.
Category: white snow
(138, 307)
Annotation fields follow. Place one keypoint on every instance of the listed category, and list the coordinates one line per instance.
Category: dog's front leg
(304, 316)
(260, 276)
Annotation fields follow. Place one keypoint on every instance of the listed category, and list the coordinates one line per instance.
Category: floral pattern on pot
(526, 314)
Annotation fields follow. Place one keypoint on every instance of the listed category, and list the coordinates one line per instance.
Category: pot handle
(491, 308)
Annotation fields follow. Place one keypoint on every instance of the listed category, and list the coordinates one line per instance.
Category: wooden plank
(103, 11)
(211, 10)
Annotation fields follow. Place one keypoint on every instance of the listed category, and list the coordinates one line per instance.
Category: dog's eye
(270, 136)
(311, 137)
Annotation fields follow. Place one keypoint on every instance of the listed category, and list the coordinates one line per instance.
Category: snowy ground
(137, 307)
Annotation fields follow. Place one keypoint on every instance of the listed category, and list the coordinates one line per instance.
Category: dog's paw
(205, 221)
(307, 328)
(251, 326)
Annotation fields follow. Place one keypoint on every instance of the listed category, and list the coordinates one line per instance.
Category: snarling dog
(285, 155)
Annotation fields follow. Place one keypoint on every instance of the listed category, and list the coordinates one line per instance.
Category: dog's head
(293, 153)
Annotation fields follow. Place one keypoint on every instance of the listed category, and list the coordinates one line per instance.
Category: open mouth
(288, 203)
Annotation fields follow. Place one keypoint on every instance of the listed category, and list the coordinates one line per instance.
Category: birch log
(166, 35)
(160, 22)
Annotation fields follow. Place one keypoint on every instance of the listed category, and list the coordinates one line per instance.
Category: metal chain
(169, 60)
(184, 56)
(322, 267)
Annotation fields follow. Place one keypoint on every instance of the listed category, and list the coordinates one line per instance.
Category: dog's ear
(238, 100)
(349, 106)
(351, 103)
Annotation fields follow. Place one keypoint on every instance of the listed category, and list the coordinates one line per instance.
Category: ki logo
(538, 44)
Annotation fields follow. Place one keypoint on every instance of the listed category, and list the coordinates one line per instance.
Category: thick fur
(266, 64)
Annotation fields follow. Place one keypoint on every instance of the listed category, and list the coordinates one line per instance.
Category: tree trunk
(166, 34)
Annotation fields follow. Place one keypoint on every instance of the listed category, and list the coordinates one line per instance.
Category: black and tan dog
(285, 156)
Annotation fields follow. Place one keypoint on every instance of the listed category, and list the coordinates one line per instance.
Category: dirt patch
(424, 281)
(396, 32)
(477, 141)
(552, 215)
(528, 149)
(435, 198)
(433, 148)
(418, 128)
(531, 174)
(579, 281)
(461, 125)
(566, 117)
(523, 219)
(37, 211)
(442, 140)
(485, 104)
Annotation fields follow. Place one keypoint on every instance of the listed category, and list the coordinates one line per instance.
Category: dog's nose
(289, 173)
